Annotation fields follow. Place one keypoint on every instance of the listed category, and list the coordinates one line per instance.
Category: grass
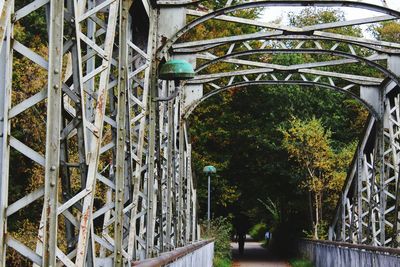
(301, 263)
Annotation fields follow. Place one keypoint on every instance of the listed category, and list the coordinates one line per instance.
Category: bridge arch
(335, 3)
(379, 67)
(189, 110)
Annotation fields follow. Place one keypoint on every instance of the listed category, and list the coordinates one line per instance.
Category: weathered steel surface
(118, 182)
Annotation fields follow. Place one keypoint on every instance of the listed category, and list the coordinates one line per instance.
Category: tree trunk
(316, 199)
(310, 207)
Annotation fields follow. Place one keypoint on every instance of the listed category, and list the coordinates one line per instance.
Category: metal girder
(118, 182)
(318, 27)
(371, 63)
(187, 112)
(357, 79)
(267, 37)
(52, 165)
(254, 4)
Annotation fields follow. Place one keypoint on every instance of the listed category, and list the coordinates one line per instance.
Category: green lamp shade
(176, 69)
(209, 169)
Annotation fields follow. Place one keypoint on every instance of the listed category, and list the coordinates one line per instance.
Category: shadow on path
(254, 256)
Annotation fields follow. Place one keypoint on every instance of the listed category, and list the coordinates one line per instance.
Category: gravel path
(254, 256)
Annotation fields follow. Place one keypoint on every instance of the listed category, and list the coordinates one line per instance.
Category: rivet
(55, 86)
(53, 168)
(121, 138)
(56, 71)
(119, 200)
(52, 183)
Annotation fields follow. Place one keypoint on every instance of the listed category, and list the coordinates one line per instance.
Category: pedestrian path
(254, 256)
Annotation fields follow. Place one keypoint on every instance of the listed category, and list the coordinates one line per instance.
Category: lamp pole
(209, 199)
(208, 170)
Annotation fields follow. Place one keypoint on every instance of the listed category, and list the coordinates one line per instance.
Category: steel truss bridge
(107, 133)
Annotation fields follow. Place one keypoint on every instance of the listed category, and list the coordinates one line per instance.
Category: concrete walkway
(254, 256)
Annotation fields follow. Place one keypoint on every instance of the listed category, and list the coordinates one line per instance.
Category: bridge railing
(340, 254)
(197, 254)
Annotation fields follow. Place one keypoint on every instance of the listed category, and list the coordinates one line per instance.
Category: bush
(219, 262)
(257, 232)
(220, 230)
(301, 263)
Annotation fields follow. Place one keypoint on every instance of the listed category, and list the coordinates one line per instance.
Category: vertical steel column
(153, 108)
(343, 224)
(189, 217)
(170, 170)
(85, 229)
(380, 164)
(178, 234)
(394, 130)
(121, 133)
(5, 102)
(52, 165)
(359, 196)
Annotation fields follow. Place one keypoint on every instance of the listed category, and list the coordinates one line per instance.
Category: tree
(308, 143)
(387, 31)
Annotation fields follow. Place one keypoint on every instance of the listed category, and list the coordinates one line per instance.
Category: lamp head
(177, 70)
(209, 170)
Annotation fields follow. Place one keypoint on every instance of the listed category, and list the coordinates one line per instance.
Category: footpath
(254, 256)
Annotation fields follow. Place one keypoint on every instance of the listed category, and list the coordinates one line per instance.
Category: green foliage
(301, 263)
(220, 230)
(257, 232)
(222, 262)
(386, 31)
(309, 144)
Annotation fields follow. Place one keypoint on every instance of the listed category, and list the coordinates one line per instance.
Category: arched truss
(254, 4)
(105, 131)
(364, 216)
(188, 111)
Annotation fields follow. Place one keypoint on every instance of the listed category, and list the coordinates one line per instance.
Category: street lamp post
(208, 170)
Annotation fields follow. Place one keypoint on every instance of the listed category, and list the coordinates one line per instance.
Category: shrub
(257, 232)
(301, 263)
(220, 230)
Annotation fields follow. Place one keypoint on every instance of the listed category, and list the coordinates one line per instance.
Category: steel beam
(52, 165)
